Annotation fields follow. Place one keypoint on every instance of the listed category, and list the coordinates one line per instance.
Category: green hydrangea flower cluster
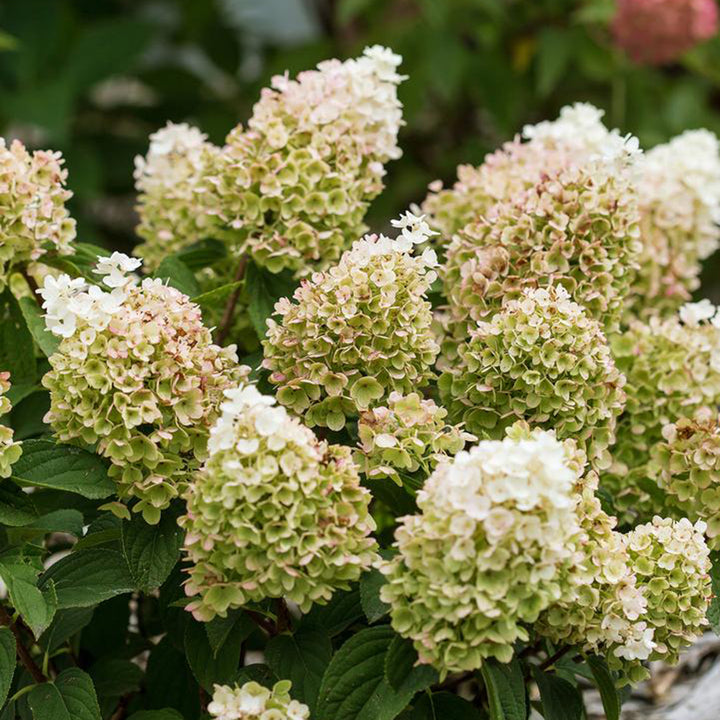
(672, 565)
(487, 552)
(33, 215)
(252, 701)
(672, 368)
(406, 439)
(357, 332)
(274, 512)
(543, 360)
(686, 466)
(10, 450)
(292, 188)
(172, 201)
(137, 375)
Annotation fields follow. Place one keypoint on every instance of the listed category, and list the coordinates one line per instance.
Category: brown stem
(283, 617)
(262, 622)
(227, 317)
(22, 652)
(30, 280)
(545, 664)
(121, 710)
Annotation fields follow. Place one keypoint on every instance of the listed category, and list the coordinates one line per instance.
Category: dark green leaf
(65, 624)
(257, 672)
(66, 521)
(263, 290)
(343, 610)
(554, 52)
(7, 662)
(70, 697)
(16, 507)
(17, 354)
(36, 605)
(370, 584)
(506, 690)
(443, 706)
(606, 685)
(560, 699)
(114, 677)
(169, 681)
(402, 670)
(178, 275)
(202, 254)
(35, 320)
(63, 467)
(211, 667)
(219, 629)
(164, 714)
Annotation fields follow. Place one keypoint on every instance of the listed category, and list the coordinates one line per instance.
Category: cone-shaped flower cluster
(543, 360)
(656, 32)
(252, 701)
(406, 439)
(672, 368)
(136, 374)
(686, 466)
(10, 450)
(293, 187)
(679, 195)
(274, 512)
(672, 565)
(357, 332)
(172, 199)
(32, 207)
(486, 553)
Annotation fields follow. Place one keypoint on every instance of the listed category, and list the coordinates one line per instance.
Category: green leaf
(70, 697)
(560, 699)
(263, 290)
(17, 354)
(36, 605)
(606, 686)
(177, 274)
(115, 677)
(164, 714)
(7, 662)
(16, 507)
(443, 706)
(202, 254)
(208, 666)
(554, 53)
(169, 681)
(217, 297)
(354, 685)
(370, 584)
(87, 577)
(506, 690)
(151, 551)
(256, 672)
(713, 613)
(342, 611)
(63, 467)
(301, 658)
(35, 320)
(219, 629)
(401, 668)
(66, 521)
(65, 624)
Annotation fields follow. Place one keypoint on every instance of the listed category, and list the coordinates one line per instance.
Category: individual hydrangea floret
(679, 197)
(672, 368)
(406, 439)
(484, 557)
(274, 512)
(294, 186)
(357, 332)
(252, 701)
(686, 465)
(574, 138)
(10, 450)
(137, 375)
(542, 360)
(33, 217)
(172, 202)
(672, 565)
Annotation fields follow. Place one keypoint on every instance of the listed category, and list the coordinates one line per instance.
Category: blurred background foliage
(93, 78)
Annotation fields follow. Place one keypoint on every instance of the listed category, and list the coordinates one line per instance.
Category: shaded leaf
(45, 340)
(560, 699)
(506, 690)
(7, 662)
(70, 697)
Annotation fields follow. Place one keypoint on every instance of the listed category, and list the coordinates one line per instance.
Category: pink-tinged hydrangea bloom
(274, 512)
(32, 207)
(137, 375)
(655, 32)
(10, 450)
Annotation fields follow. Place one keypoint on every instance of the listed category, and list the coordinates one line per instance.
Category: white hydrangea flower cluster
(274, 512)
(10, 450)
(252, 701)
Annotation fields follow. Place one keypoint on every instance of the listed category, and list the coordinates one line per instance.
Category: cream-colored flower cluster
(487, 553)
(543, 360)
(357, 332)
(252, 701)
(137, 375)
(33, 217)
(10, 450)
(274, 512)
(172, 202)
(406, 439)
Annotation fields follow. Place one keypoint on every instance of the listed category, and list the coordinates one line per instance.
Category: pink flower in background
(654, 32)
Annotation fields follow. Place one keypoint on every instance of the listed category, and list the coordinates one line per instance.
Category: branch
(30, 280)
(545, 664)
(227, 318)
(262, 622)
(283, 617)
(22, 652)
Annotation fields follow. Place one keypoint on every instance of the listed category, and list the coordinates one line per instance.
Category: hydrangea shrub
(286, 469)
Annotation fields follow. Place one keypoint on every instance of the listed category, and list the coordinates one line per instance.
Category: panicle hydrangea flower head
(576, 137)
(542, 360)
(274, 512)
(297, 183)
(252, 701)
(10, 450)
(679, 196)
(672, 368)
(671, 562)
(406, 439)
(486, 552)
(656, 32)
(172, 203)
(686, 465)
(577, 227)
(357, 332)
(32, 206)
(136, 374)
